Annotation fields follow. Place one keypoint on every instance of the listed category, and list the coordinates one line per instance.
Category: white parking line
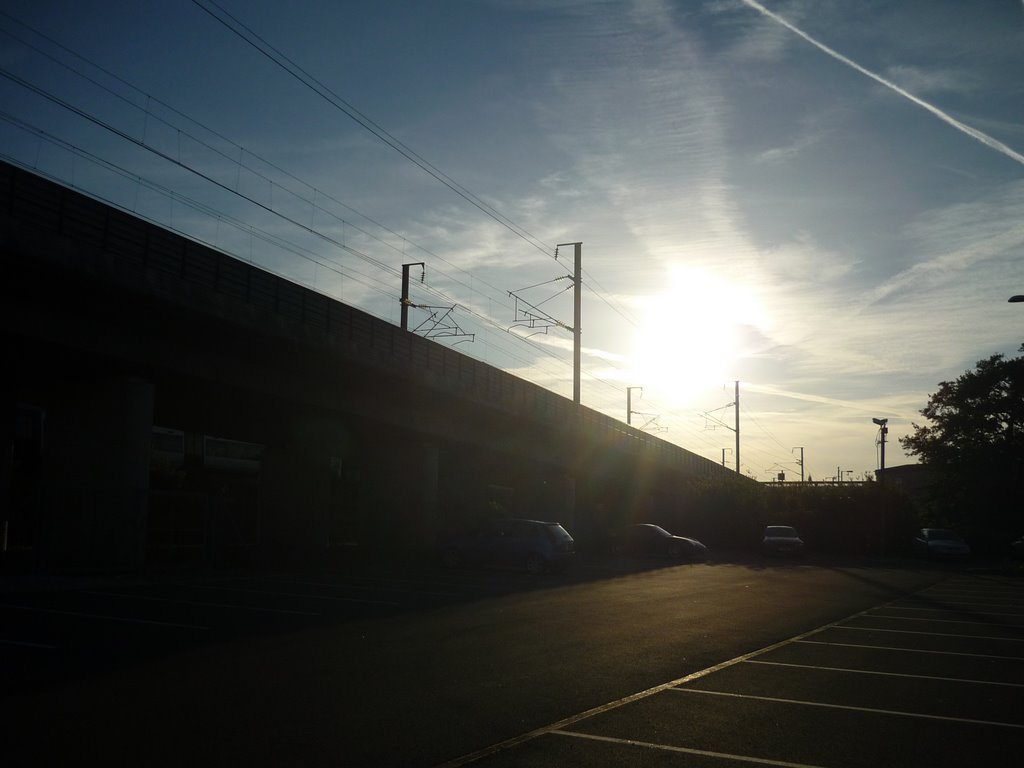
(913, 650)
(573, 719)
(101, 616)
(885, 674)
(933, 634)
(984, 593)
(684, 750)
(895, 607)
(986, 589)
(200, 603)
(1000, 603)
(848, 707)
(559, 728)
(941, 621)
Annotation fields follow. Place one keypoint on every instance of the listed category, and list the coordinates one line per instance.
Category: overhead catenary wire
(149, 100)
(544, 350)
(167, 157)
(242, 152)
(288, 65)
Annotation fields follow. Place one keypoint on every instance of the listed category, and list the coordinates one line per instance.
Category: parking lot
(932, 679)
(89, 626)
(738, 662)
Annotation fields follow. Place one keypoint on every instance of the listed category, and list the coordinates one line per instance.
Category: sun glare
(688, 340)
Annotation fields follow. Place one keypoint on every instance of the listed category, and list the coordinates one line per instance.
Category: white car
(782, 540)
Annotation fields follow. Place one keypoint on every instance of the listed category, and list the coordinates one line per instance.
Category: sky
(821, 200)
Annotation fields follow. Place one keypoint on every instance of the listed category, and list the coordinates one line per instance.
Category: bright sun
(688, 340)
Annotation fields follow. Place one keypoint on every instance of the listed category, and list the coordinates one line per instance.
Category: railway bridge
(167, 402)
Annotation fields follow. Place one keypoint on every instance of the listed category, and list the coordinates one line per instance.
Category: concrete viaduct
(166, 402)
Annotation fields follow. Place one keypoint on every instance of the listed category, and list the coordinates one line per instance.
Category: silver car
(782, 540)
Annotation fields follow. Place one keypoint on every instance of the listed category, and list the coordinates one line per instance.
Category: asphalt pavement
(784, 663)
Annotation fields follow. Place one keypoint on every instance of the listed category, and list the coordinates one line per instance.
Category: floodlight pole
(883, 430)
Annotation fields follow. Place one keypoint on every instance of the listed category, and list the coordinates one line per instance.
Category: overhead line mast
(576, 314)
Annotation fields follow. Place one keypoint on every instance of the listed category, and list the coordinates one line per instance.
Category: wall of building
(366, 435)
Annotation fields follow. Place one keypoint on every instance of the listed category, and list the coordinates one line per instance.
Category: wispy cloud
(974, 133)
(872, 407)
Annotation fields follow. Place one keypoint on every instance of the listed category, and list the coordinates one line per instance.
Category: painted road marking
(931, 634)
(952, 610)
(851, 708)
(885, 674)
(913, 650)
(573, 719)
(942, 621)
(560, 727)
(685, 750)
(1001, 603)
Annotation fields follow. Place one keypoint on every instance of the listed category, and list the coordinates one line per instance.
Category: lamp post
(883, 430)
(1016, 299)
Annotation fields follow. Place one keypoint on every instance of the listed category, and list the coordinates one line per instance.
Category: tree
(974, 446)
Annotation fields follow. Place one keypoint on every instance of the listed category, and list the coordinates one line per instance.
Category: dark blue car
(533, 545)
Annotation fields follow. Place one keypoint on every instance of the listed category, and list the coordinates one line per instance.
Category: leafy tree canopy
(974, 442)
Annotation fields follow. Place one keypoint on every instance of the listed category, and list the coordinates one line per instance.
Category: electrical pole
(577, 279)
(404, 301)
(723, 454)
(629, 403)
(576, 316)
(737, 427)
(801, 449)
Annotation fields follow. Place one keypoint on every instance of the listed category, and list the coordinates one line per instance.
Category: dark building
(166, 402)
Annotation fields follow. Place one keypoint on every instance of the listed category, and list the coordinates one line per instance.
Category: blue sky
(821, 199)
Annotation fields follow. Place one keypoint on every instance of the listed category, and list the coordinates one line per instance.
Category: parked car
(940, 543)
(782, 540)
(533, 545)
(647, 540)
(1017, 549)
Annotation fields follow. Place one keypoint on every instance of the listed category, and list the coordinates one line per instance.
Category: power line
(543, 350)
(242, 152)
(288, 65)
(206, 177)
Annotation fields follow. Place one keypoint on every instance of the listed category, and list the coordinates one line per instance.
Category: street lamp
(883, 430)
(1016, 299)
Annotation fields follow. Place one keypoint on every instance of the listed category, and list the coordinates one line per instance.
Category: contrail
(975, 134)
(863, 407)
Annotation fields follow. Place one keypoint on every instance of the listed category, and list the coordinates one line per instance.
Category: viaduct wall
(165, 401)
